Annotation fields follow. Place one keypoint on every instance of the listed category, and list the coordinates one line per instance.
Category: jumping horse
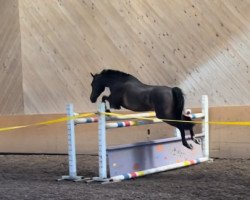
(128, 92)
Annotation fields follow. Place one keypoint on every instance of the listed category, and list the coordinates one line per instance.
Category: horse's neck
(111, 83)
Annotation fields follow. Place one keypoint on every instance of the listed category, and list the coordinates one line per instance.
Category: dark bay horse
(128, 92)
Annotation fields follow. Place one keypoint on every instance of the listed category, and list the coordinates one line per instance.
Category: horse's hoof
(189, 146)
(197, 141)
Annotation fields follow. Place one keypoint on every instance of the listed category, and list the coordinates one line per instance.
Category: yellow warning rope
(63, 119)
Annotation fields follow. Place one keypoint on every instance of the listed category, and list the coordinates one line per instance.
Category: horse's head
(97, 87)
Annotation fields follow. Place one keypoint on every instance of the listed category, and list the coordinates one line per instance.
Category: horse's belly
(138, 108)
(138, 103)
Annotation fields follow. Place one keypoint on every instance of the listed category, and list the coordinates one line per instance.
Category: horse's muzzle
(92, 99)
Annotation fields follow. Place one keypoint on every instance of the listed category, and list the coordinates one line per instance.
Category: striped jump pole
(114, 117)
(128, 176)
(86, 120)
(148, 117)
(122, 124)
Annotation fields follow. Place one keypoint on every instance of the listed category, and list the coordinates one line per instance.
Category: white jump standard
(71, 147)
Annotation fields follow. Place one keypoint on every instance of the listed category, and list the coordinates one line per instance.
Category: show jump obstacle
(138, 159)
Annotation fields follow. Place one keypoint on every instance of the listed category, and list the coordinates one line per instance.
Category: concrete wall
(230, 141)
(47, 55)
(11, 98)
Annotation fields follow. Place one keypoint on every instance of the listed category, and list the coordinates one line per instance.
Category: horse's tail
(179, 101)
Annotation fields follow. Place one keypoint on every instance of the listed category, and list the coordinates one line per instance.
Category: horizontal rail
(132, 123)
(131, 116)
(196, 115)
(158, 169)
(86, 120)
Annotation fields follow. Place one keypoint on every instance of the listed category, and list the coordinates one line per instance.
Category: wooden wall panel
(11, 98)
(225, 141)
(200, 46)
(229, 141)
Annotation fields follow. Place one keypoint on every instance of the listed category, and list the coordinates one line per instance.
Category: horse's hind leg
(196, 140)
(166, 115)
(183, 138)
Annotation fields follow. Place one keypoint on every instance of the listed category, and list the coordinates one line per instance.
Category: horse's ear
(92, 75)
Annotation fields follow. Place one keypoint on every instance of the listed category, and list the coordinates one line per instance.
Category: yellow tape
(12, 128)
(63, 119)
(246, 123)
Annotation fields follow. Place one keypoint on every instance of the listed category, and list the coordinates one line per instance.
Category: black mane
(116, 74)
(111, 72)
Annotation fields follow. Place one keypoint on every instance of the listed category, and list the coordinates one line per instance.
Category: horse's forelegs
(196, 140)
(105, 99)
(111, 102)
(183, 138)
